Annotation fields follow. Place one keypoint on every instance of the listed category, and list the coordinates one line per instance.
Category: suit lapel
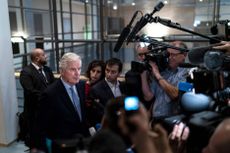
(107, 89)
(37, 74)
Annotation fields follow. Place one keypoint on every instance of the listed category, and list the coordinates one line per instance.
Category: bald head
(220, 140)
(38, 56)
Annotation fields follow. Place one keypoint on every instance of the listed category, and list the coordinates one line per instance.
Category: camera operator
(164, 85)
(133, 78)
(141, 51)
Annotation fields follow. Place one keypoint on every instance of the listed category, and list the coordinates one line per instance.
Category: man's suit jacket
(103, 93)
(57, 117)
(33, 84)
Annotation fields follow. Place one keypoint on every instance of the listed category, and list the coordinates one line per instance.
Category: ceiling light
(133, 4)
(165, 2)
(115, 6)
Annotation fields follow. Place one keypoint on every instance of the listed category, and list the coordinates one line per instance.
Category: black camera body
(214, 84)
(160, 57)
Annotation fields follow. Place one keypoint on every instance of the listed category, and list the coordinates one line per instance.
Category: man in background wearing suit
(34, 78)
(61, 116)
(109, 87)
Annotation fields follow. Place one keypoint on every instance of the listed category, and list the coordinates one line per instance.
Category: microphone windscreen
(213, 60)
(192, 102)
(196, 55)
(121, 39)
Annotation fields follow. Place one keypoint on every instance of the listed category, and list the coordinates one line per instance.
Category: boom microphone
(143, 21)
(196, 55)
(124, 34)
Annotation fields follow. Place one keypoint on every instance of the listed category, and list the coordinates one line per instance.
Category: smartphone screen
(131, 103)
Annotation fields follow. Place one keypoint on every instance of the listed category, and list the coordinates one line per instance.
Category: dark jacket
(33, 84)
(57, 117)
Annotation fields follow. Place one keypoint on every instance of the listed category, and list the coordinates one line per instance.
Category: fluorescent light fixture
(197, 22)
(20, 34)
(16, 39)
(114, 6)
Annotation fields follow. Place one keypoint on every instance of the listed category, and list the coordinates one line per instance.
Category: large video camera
(206, 104)
(157, 55)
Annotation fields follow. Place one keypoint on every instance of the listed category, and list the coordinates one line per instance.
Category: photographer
(164, 85)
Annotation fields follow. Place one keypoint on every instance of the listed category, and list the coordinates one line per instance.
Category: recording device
(157, 53)
(143, 21)
(208, 106)
(131, 105)
(124, 33)
(159, 57)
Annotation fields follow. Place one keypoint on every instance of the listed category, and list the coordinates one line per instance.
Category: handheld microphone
(143, 21)
(124, 34)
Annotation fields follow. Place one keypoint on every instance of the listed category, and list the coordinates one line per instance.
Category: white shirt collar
(35, 65)
(111, 84)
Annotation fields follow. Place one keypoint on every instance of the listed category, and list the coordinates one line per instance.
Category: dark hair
(114, 61)
(106, 141)
(111, 112)
(111, 117)
(94, 64)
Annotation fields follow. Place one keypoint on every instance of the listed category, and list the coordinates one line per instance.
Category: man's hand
(160, 139)
(178, 137)
(225, 46)
(141, 137)
(155, 70)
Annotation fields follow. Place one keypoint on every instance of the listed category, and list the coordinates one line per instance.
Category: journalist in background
(164, 84)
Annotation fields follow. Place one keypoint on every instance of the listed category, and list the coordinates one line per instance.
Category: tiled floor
(16, 147)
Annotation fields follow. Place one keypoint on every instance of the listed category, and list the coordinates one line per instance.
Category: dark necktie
(42, 75)
(76, 102)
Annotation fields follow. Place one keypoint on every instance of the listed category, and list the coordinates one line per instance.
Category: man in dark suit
(61, 116)
(109, 87)
(34, 78)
